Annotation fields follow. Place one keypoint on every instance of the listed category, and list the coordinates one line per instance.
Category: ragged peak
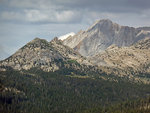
(36, 43)
(103, 25)
(56, 41)
(38, 40)
(103, 21)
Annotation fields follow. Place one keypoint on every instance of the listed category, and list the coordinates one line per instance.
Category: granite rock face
(103, 34)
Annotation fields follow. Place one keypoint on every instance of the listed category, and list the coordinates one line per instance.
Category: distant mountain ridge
(105, 47)
(101, 35)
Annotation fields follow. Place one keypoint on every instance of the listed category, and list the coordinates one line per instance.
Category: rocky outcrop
(103, 34)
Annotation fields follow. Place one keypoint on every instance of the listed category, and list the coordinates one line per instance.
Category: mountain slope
(49, 56)
(103, 34)
(52, 92)
(134, 58)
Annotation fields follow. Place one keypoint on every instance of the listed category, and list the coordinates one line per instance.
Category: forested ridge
(35, 91)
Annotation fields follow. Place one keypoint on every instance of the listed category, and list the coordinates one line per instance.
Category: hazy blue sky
(23, 20)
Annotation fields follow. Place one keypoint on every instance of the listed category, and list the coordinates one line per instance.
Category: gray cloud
(67, 11)
(41, 16)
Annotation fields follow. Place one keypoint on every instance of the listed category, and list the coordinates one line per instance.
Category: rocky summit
(102, 34)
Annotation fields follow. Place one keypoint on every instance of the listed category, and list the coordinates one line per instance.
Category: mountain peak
(56, 41)
(36, 40)
(103, 21)
(102, 34)
(36, 43)
(102, 24)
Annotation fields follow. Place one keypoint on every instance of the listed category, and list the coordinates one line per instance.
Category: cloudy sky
(23, 20)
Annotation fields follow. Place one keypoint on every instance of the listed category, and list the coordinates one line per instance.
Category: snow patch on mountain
(66, 36)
